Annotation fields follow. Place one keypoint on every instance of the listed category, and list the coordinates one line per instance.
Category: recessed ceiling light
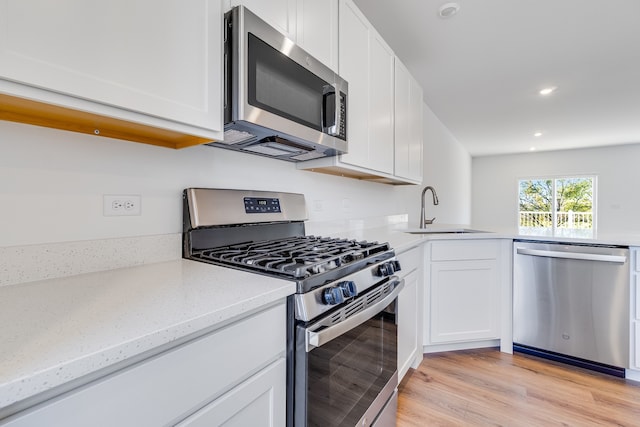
(537, 134)
(447, 10)
(532, 149)
(548, 90)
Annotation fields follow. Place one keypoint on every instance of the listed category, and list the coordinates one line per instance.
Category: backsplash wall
(52, 184)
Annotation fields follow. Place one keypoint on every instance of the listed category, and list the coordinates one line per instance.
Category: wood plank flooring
(488, 388)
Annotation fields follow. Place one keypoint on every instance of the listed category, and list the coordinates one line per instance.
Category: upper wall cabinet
(366, 62)
(368, 65)
(408, 125)
(317, 30)
(148, 70)
(281, 14)
(311, 24)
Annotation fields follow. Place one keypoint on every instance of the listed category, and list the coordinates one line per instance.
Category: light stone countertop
(58, 330)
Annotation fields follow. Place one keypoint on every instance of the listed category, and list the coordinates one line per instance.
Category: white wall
(447, 168)
(495, 183)
(52, 184)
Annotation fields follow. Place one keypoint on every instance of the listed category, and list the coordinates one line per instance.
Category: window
(557, 205)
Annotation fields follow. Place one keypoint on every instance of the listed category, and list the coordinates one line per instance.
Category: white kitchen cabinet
(280, 14)
(354, 67)
(408, 125)
(464, 301)
(235, 374)
(467, 294)
(317, 30)
(252, 403)
(370, 111)
(634, 356)
(409, 313)
(368, 65)
(148, 71)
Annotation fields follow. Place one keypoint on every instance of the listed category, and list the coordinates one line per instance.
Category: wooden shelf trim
(36, 113)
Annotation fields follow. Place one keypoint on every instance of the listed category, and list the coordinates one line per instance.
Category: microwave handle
(317, 339)
(335, 129)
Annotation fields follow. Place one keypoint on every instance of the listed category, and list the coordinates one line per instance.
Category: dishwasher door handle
(572, 255)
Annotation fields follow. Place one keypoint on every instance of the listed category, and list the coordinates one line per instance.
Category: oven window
(347, 374)
(281, 86)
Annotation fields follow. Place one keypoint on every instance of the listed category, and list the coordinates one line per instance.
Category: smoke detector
(447, 10)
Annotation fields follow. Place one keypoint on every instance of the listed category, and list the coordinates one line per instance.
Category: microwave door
(279, 85)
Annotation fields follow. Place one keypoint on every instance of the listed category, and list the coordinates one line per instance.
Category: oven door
(346, 362)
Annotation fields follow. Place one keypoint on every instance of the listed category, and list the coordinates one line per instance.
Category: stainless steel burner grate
(297, 257)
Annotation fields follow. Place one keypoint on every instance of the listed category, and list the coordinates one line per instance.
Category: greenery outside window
(562, 206)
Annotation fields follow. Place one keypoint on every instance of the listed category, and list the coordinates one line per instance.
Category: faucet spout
(423, 220)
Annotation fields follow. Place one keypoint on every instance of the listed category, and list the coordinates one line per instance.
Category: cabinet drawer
(259, 401)
(464, 250)
(410, 260)
(163, 389)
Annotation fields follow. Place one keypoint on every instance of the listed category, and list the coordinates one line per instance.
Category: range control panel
(261, 205)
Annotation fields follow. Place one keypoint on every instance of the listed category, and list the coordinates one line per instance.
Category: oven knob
(383, 270)
(396, 265)
(386, 269)
(332, 296)
(348, 289)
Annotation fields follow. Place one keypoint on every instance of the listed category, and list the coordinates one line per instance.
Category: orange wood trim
(36, 113)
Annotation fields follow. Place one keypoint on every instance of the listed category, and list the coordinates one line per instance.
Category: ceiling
(482, 69)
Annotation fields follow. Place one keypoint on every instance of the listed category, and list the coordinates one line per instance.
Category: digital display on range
(261, 205)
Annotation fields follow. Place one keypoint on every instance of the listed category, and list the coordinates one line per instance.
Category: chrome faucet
(423, 220)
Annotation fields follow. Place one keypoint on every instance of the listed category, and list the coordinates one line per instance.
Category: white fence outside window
(570, 219)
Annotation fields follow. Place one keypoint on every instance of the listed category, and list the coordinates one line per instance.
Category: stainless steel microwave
(279, 101)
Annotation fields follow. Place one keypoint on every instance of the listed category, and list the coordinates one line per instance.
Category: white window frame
(554, 216)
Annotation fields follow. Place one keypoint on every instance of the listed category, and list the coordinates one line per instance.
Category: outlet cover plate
(122, 205)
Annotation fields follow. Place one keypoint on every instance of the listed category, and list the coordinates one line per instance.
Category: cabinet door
(635, 349)
(281, 14)
(402, 119)
(354, 57)
(416, 138)
(161, 58)
(381, 59)
(317, 30)
(408, 124)
(464, 301)
(259, 401)
(407, 324)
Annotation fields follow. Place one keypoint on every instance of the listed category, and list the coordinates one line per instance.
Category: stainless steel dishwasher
(571, 303)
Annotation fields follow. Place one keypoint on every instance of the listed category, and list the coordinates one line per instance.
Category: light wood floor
(488, 388)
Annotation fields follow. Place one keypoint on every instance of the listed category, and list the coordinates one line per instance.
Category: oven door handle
(318, 339)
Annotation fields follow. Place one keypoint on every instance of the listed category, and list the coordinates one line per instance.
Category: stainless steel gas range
(342, 333)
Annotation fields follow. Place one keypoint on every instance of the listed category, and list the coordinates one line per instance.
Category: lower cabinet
(234, 375)
(467, 294)
(256, 402)
(465, 303)
(409, 312)
(634, 356)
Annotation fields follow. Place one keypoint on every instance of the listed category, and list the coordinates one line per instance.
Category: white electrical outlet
(122, 205)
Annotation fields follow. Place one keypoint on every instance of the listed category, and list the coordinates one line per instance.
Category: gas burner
(296, 257)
